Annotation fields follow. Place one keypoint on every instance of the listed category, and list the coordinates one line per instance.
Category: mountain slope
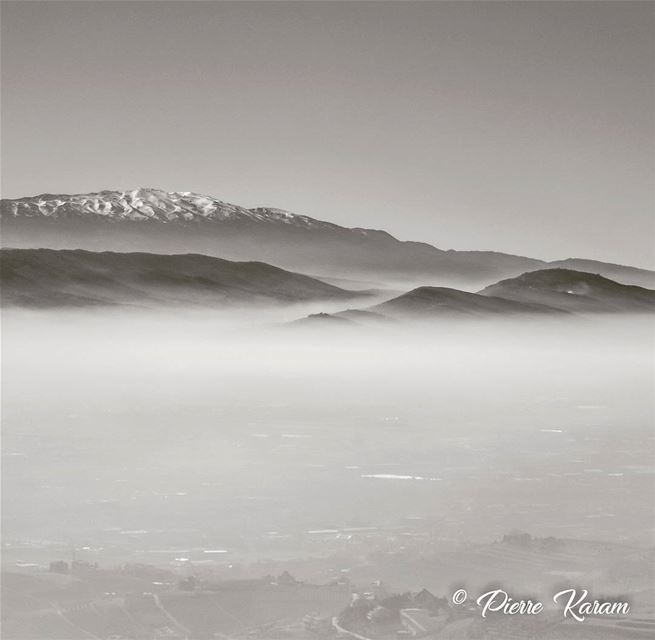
(435, 302)
(54, 278)
(151, 220)
(140, 205)
(618, 272)
(157, 221)
(573, 291)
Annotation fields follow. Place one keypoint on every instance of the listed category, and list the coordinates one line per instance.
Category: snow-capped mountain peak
(148, 204)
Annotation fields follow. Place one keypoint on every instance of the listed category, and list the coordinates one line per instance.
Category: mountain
(435, 302)
(321, 320)
(141, 205)
(77, 278)
(156, 221)
(547, 292)
(575, 291)
(343, 319)
(620, 273)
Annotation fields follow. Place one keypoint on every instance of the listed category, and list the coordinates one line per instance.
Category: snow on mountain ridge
(143, 204)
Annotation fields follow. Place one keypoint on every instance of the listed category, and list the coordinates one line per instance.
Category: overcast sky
(520, 127)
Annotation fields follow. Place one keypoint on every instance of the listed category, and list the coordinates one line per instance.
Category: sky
(524, 127)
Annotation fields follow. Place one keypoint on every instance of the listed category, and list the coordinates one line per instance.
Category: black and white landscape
(243, 422)
(156, 221)
(233, 420)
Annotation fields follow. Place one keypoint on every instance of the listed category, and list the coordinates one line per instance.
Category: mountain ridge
(51, 278)
(556, 293)
(158, 221)
(151, 204)
(429, 302)
(79, 278)
(574, 291)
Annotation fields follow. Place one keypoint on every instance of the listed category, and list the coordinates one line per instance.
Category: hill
(619, 272)
(76, 278)
(435, 302)
(575, 291)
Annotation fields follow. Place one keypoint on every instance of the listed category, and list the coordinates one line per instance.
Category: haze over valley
(205, 444)
(177, 416)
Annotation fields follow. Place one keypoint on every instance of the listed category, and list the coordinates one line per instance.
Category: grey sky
(522, 127)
